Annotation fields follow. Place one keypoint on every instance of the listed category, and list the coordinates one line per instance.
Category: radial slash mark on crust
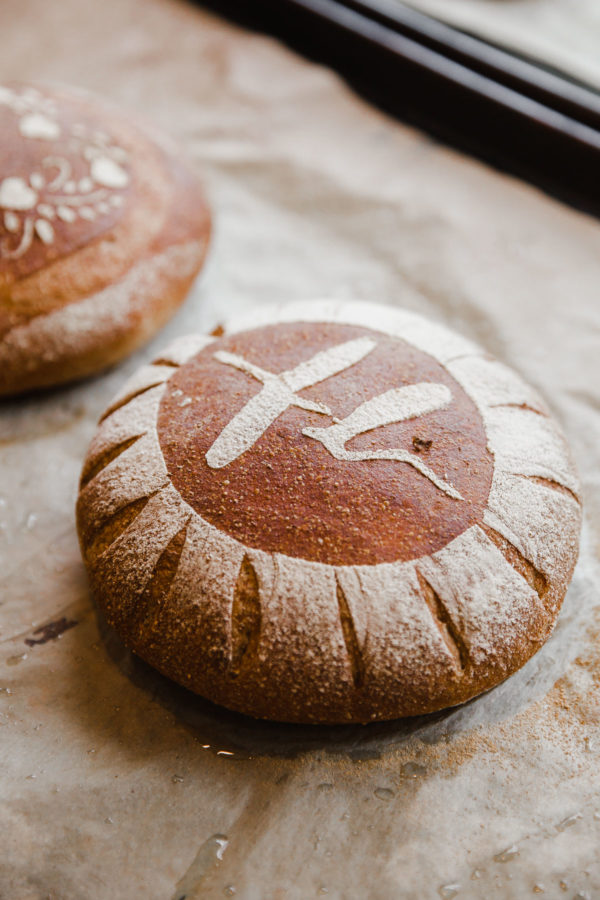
(448, 630)
(125, 400)
(553, 485)
(91, 471)
(114, 526)
(472, 354)
(357, 665)
(534, 578)
(245, 617)
(525, 406)
(166, 362)
(152, 600)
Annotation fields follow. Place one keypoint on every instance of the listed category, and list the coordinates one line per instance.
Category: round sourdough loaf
(333, 512)
(102, 231)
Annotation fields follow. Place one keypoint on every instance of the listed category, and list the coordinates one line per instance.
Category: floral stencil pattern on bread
(51, 192)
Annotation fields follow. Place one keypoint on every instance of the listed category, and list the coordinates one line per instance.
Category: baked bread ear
(332, 513)
(102, 231)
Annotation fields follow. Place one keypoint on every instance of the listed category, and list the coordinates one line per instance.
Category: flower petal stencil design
(51, 191)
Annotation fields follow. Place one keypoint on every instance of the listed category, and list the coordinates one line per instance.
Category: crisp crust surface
(86, 198)
(335, 512)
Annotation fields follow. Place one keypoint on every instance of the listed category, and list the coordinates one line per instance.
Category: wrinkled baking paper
(115, 782)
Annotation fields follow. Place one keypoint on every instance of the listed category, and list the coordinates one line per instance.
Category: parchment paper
(117, 784)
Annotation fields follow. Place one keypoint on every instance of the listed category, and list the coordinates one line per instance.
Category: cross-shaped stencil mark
(279, 392)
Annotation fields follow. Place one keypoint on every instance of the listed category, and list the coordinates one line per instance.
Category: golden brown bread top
(291, 495)
(84, 195)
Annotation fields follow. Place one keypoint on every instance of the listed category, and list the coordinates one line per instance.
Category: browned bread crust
(334, 512)
(102, 231)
